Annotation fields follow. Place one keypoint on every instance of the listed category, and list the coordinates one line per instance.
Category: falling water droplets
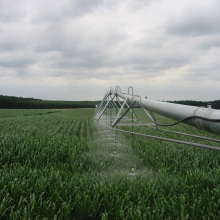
(132, 169)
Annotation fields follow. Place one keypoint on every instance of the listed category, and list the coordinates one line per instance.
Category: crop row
(49, 170)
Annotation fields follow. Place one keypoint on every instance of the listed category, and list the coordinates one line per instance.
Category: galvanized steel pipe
(178, 112)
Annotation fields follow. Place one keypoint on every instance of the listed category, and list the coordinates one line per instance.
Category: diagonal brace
(150, 115)
(118, 117)
(105, 108)
(101, 104)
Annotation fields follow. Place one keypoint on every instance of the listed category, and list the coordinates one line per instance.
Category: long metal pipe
(179, 112)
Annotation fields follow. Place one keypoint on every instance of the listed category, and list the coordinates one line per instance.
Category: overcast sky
(78, 49)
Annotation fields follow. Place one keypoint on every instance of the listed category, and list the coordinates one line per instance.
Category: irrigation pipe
(171, 140)
(166, 139)
(185, 134)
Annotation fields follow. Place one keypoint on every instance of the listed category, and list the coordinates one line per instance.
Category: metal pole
(132, 116)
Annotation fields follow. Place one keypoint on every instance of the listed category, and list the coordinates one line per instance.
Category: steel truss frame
(117, 107)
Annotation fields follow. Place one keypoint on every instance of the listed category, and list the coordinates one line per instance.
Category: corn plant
(60, 165)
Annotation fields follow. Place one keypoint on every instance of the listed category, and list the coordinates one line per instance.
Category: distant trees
(215, 104)
(30, 103)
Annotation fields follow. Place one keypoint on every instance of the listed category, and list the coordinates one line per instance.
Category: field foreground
(59, 164)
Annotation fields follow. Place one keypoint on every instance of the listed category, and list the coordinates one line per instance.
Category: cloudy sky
(78, 49)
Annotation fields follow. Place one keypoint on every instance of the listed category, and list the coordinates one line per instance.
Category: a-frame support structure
(113, 109)
(118, 109)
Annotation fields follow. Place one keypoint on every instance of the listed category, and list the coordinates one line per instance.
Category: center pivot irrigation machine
(117, 109)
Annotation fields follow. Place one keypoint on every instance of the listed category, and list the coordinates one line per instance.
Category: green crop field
(59, 164)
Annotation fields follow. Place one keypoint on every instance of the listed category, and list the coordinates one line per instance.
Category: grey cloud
(81, 6)
(209, 43)
(11, 45)
(76, 62)
(12, 11)
(13, 37)
(16, 59)
(54, 45)
(197, 21)
(199, 74)
(75, 46)
(56, 11)
(195, 27)
(155, 55)
(160, 64)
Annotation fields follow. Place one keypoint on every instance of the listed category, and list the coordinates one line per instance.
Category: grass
(61, 165)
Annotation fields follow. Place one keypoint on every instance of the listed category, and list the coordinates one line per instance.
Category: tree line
(31, 103)
(214, 104)
(10, 102)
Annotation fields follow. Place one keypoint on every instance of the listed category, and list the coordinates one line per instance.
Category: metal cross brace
(101, 104)
(118, 117)
(132, 112)
(149, 115)
(105, 108)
